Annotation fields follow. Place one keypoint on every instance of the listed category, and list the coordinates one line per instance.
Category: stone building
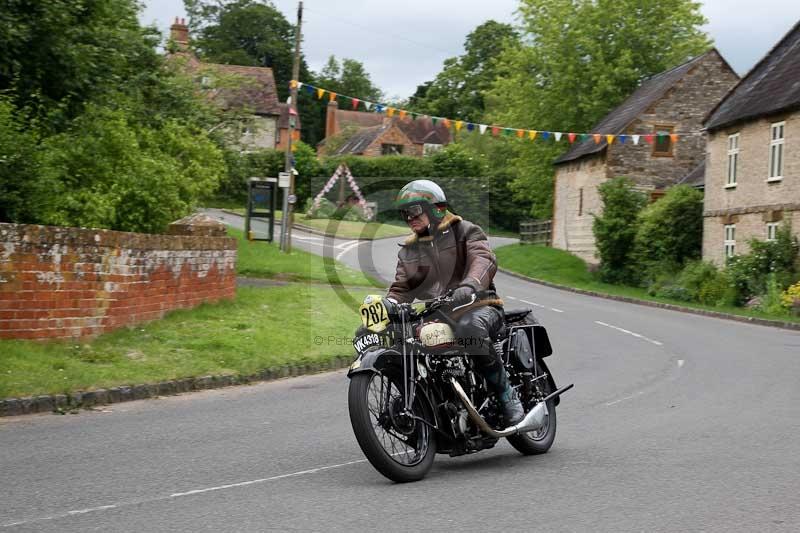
(373, 134)
(246, 89)
(752, 181)
(675, 101)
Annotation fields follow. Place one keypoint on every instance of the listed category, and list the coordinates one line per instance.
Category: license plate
(365, 342)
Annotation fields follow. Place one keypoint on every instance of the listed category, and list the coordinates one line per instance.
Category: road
(677, 422)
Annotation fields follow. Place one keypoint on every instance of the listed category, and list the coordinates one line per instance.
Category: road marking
(349, 246)
(637, 335)
(631, 397)
(180, 494)
(556, 310)
(681, 363)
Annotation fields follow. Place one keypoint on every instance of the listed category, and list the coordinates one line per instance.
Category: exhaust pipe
(533, 420)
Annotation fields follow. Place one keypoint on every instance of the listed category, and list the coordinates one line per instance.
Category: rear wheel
(539, 441)
(397, 443)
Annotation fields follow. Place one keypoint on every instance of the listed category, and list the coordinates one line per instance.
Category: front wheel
(400, 445)
(539, 441)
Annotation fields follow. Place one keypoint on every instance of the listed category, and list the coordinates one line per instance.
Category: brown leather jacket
(457, 253)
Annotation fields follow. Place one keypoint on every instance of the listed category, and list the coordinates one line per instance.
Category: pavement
(677, 422)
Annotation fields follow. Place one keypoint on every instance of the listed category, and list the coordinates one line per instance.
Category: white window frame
(772, 231)
(733, 155)
(730, 240)
(777, 136)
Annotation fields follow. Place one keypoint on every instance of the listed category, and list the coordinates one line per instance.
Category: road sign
(283, 179)
(292, 198)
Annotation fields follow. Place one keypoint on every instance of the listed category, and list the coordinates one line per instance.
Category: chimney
(331, 128)
(179, 34)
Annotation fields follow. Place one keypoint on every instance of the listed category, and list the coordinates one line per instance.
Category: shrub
(325, 208)
(670, 230)
(790, 299)
(615, 230)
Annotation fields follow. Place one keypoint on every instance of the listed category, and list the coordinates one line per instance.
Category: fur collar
(448, 220)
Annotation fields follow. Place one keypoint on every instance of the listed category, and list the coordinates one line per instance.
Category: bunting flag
(459, 124)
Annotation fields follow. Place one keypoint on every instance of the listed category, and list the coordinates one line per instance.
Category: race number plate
(373, 313)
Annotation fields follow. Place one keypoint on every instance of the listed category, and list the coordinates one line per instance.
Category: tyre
(399, 446)
(539, 441)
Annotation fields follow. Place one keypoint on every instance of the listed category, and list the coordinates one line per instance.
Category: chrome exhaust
(533, 420)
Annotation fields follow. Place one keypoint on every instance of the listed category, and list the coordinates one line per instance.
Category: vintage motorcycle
(414, 392)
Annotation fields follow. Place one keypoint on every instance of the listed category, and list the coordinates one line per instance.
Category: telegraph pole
(288, 217)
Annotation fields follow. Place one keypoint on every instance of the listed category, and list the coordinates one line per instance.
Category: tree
(615, 230)
(580, 59)
(349, 77)
(254, 33)
(458, 90)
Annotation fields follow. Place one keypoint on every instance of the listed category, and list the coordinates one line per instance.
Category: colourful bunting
(496, 130)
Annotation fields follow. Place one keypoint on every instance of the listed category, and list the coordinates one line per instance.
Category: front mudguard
(375, 360)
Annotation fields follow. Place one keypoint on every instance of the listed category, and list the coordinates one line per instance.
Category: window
(391, 149)
(580, 202)
(662, 146)
(772, 230)
(730, 240)
(776, 151)
(733, 159)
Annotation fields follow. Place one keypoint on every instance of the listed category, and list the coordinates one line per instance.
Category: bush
(615, 230)
(790, 299)
(749, 273)
(21, 190)
(670, 230)
(325, 209)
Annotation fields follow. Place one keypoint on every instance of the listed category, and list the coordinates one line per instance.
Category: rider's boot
(497, 378)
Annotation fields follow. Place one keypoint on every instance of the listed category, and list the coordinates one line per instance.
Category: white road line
(533, 304)
(180, 494)
(631, 397)
(681, 362)
(637, 335)
(352, 244)
(556, 310)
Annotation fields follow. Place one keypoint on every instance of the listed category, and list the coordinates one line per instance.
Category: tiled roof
(423, 130)
(615, 123)
(361, 119)
(773, 85)
(696, 178)
(361, 140)
(256, 90)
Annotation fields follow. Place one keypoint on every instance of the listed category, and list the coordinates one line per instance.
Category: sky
(404, 45)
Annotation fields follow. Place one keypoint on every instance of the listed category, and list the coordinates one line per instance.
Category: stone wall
(683, 108)
(576, 200)
(58, 283)
(754, 200)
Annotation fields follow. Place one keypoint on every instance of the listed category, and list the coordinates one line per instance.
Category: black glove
(462, 295)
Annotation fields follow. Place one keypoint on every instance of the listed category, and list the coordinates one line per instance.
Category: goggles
(411, 212)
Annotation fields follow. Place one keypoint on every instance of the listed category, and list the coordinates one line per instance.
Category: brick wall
(58, 283)
(393, 135)
(754, 200)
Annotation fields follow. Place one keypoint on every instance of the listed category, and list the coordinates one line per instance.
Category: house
(250, 90)
(373, 134)
(752, 181)
(675, 101)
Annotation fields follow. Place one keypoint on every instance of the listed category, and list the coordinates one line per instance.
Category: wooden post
(288, 214)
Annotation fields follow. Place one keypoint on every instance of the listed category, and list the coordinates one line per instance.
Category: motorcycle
(414, 392)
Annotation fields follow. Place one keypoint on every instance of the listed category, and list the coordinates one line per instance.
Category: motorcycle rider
(446, 252)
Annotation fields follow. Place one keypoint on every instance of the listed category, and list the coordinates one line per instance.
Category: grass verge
(260, 259)
(262, 328)
(563, 268)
